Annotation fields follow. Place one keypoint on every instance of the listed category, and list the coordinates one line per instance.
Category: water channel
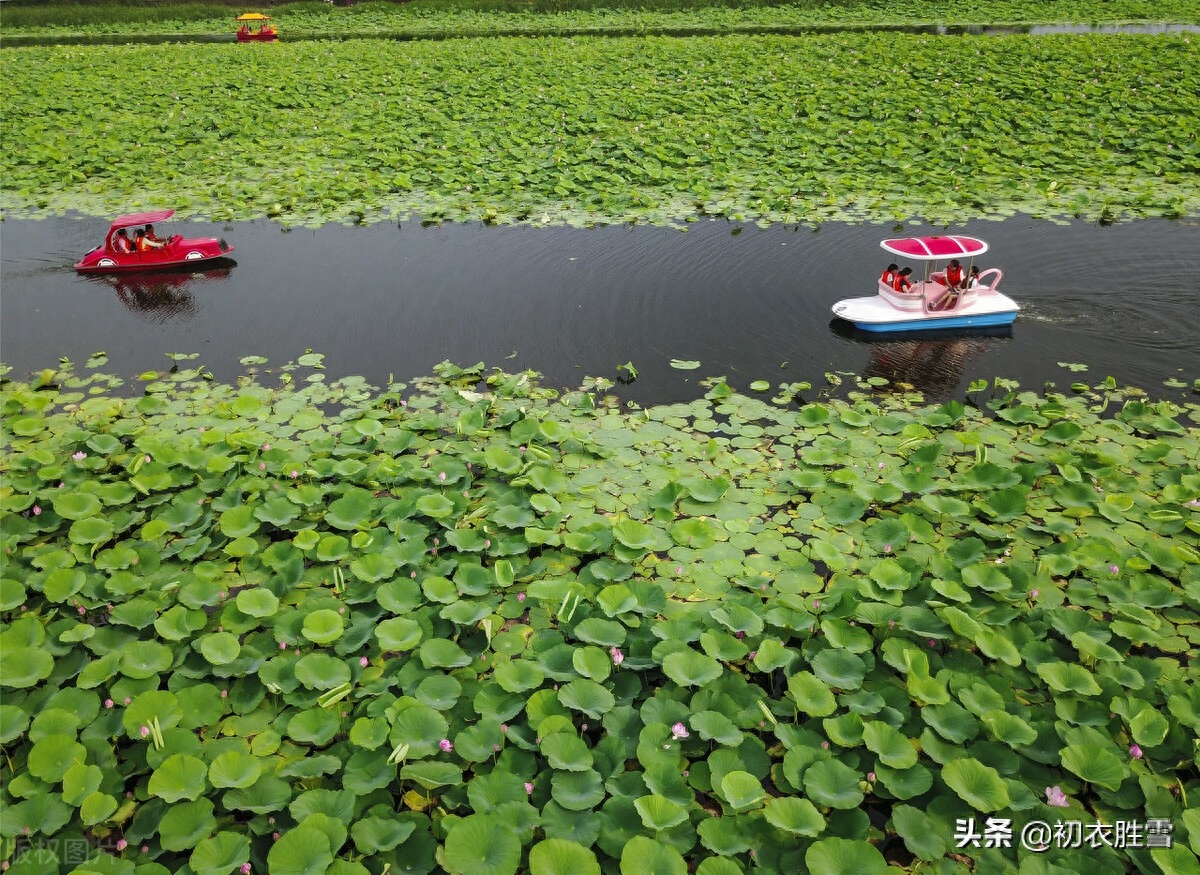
(748, 303)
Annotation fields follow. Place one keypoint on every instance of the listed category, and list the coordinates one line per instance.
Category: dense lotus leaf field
(476, 17)
(296, 625)
(810, 128)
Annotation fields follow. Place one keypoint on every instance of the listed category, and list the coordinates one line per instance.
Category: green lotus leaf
(442, 653)
(257, 602)
(234, 769)
(13, 721)
(91, 530)
(76, 505)
(715, 726)
(219, 648)
(892, 748)
(53, 755)
(316, 726)
(1065, 677)
(398, 634)
(839, 669)
(587, 696)
(556, 856)
(604, 633)
(659, 813)
(1149, 727)
(221, 854)
(185, 824)
(795, 816)
(811, 694)
(1096, 765)
(681, 365)
(96, 808)
(478, 845)
(432, 774)
(350, 511)
(373, 567)
(421, 728)
(143, 659)
(1009, 728)
(320, 671)
(180, 776)
(238, 522)
(636, 535)
(23, 667)
(577, 791)
(691, 669)
(323, 626)
(834, 856)
(435, 505)
(300, 851)
(563, 750)
(919, 832)
(268, 795)
(643, 856)
(978, 785)
(374, 834)
(833, 784)
(741, 790)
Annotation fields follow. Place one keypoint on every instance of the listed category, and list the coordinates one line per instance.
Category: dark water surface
(395, 300)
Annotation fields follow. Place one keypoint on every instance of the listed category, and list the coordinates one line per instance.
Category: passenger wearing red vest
(888, 277)
(954, 275)
(902, 283)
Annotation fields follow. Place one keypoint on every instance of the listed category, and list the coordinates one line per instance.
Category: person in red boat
(144, 244)
(121, 243)
(955, 279)
(153, 238)
(889, 274)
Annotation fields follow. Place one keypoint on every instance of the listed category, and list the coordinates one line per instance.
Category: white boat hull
(927, 307)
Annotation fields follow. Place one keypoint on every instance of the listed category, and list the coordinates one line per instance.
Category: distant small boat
(262, 32)
(108, 257)
(929, 302)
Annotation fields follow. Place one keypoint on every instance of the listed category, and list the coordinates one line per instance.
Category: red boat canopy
(935, 248)
(141, 219)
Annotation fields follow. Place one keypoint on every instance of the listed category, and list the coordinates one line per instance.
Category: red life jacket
(954, 276)
(887, 277)
(901, 283)
(122, 244)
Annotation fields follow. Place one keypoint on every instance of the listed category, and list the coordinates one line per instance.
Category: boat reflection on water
(162, 295)
(931, 362)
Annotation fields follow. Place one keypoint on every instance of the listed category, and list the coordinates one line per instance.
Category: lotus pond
(590, 131)
(300, 625)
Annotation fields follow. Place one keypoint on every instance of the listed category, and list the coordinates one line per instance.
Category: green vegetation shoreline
(848, 127)
(293, 624)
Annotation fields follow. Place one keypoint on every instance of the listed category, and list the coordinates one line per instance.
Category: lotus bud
(364, 662)
(145, 731)
(266, 448)
(1135, 751)
(445, 745)
(245, 870)
(224, 694)
(824, 745)
(1057, 798)
(128, 700)
(108, 703)
(528, 788)
(122, 844)
(37, 511)
(442, 476)
(679, 731)
(520, 596)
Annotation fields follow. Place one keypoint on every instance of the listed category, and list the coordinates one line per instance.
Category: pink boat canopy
(141, 219)
(935, 248)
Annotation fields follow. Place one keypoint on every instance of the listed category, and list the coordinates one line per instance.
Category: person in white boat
(901, 281)
(954, 277)
(889, 274)
(973, 279)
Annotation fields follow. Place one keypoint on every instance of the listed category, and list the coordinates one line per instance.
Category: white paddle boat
(929, 299)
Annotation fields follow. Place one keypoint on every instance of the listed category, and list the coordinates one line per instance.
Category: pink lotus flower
(37, 511)
(262, 466)
(145, 731)
(79, 456)
(871, 777)
(887, 548)
(487, 543)
(364, 662)
(824, 745)
(617, 656)
(1135, 751)
(245, 870)
(816, 605)
(1057, 798)
(520, 596)
(122, 844)
(1033, 593)
(528, 788)
(1114, 569)
(274, 836)
(445, 745)
(128, 700)
(295, 473)
(679, 731)
(442, 476)
(283, 645)
(266, 448)
(224, 694)
(108, 703)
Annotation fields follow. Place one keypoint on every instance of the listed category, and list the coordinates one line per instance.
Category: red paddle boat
(118, 253)
(264, 32)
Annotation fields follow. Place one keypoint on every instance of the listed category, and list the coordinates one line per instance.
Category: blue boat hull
(982, 320)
